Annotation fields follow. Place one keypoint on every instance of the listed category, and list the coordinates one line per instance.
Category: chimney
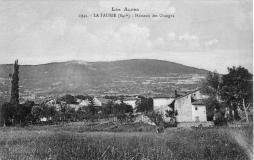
(176, 95)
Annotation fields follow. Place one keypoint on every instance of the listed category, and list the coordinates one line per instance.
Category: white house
(128, 100)
(86, 102)
(190, 108)
(131, 102)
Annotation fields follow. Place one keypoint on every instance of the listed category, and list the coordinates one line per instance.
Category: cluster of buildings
(190, 107)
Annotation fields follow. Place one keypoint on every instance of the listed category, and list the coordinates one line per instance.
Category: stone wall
(184, 109)
(199, 113)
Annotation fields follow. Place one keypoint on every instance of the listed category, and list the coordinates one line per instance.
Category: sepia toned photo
(126, 79)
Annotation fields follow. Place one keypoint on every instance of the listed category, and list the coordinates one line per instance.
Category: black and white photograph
(126, 79)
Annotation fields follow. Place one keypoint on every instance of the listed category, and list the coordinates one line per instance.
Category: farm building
(190, 110)
(190, 107)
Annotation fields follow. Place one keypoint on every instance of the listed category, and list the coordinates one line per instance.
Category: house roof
(161, 97)
(188, 94)
(130, 98)
(199, 102)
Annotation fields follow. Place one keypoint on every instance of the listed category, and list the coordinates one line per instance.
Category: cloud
(187, 37)
(159, 43)
(127, 38)
(59, 26)
(189, 41)
(173, 42)
(171, 36)
(134, 37)
(80, 41)
(211, 42)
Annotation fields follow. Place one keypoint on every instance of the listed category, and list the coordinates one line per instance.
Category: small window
(196, 108)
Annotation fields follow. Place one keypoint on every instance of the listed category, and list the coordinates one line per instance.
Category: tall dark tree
(15, 85)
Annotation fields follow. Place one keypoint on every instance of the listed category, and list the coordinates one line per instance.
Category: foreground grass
(74, 143)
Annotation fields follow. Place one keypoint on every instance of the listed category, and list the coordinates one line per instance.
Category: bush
(172, 123)
(69, 99)
(156, 117)
(219, 119)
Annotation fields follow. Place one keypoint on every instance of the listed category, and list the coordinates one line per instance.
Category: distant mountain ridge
(82, 75)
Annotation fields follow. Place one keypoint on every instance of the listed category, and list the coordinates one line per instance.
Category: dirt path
(243, 142)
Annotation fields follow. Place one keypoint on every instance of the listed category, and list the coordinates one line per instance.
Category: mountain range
(134, 76)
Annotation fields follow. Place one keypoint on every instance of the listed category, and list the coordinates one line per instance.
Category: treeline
(62, 111)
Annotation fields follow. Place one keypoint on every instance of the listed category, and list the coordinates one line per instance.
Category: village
(190, 107)
(195, 108)
(126, 80)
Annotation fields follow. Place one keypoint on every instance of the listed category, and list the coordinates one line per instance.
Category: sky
(208, 34)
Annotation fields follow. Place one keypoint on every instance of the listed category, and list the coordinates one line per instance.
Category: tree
(237, 89)
(211, 85)
(3, 115)
(91, 110)
(80, 114)
(36, 113)
(156, 117)
(150, 104)
(20, 114)
(62, 112)
(144, 104)
(172, 113)
(213, 105)
(127, 108)
(15, 85)
(108, 108)
(70, 114)
(121, 109)
(69, 99)
(44, 110)
(23, 112)
(8, 112)
(82, 97)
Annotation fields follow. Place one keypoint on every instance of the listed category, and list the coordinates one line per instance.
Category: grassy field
(126, 142)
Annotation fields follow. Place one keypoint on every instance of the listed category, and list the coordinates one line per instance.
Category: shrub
(156, 117)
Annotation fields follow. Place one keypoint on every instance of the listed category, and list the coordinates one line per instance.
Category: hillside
(138, 75)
